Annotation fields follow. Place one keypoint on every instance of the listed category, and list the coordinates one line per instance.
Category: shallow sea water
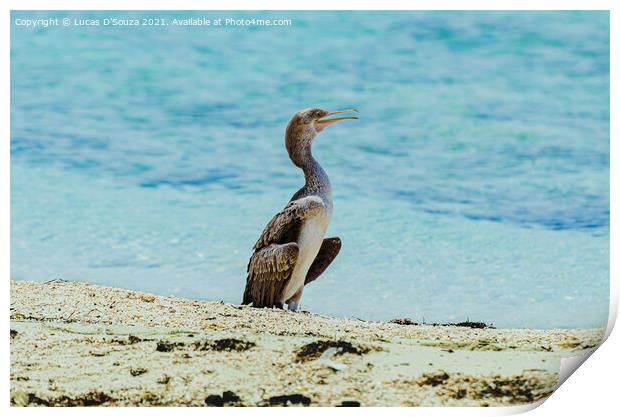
(475, 184)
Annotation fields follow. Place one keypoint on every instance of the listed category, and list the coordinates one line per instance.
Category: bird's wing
(290, 216)
(269, 270)
(328, 252)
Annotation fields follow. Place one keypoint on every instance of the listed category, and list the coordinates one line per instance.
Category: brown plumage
(268, 271)
(291, 251)
(329, 250)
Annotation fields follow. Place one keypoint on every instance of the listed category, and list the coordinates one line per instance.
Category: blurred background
(474, 186)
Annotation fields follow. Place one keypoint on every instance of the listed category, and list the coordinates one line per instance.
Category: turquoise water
(475, 184)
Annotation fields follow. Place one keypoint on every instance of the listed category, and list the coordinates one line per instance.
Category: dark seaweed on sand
(285, 400)
(227, 398)
(471, 324)
(314, 350)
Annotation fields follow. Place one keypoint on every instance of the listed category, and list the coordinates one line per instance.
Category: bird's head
(306, 124)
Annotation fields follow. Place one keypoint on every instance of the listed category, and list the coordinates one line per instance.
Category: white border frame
(596, 381)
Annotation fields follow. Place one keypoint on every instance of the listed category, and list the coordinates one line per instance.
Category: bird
(292, 251)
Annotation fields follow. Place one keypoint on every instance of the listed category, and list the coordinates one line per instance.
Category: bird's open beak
(325, 121)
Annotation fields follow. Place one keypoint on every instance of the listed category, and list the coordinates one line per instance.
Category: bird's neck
(317, 180)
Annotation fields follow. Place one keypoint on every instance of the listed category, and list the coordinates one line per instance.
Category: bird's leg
(294, 301)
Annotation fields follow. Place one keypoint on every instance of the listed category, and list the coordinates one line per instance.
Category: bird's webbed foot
(293, 305)
(295, 301)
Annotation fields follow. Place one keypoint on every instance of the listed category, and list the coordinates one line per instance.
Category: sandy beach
(81, 344)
